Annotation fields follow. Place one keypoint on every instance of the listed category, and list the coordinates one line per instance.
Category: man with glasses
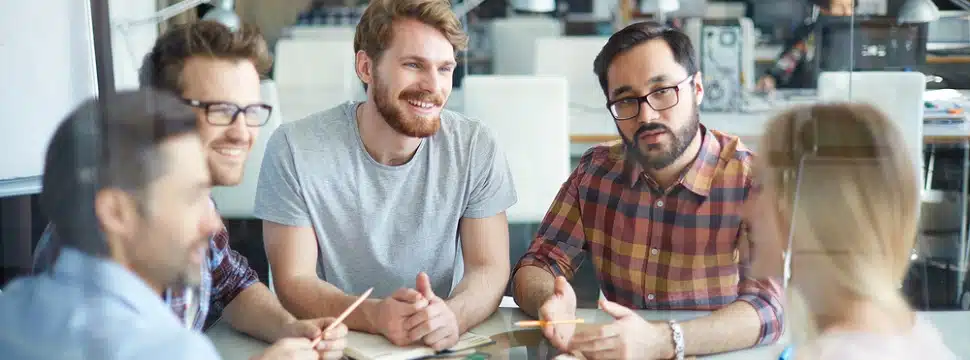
(217, 73)
(658, 213)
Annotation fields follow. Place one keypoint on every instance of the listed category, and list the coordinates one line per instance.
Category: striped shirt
(225, 274)
(680, 248)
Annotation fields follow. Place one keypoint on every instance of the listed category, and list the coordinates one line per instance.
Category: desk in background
(952, 325)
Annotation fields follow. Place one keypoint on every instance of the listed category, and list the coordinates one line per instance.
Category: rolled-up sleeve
(560, 240)
(231, 273)
(765, 295)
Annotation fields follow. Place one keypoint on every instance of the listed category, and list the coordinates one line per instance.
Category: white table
(955, 327)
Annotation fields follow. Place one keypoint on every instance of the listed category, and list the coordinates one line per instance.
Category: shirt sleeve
(765, 295)
(492, 188)
(279, 195)
(559, 246)
(166, 345)
(231, 273)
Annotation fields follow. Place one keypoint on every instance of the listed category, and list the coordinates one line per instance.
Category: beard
(402, 120)
(663, 154)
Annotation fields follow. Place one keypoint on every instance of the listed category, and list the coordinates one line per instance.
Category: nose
(238, 130)
(647, 114)
(430, 81)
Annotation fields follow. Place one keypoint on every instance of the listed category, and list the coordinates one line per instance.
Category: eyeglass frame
(205, 105)
(643, 99)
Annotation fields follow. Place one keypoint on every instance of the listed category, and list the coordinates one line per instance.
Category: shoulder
(734, 155)
(603, 159)
(323, 127)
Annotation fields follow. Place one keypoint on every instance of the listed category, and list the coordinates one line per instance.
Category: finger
(407, 295)
(593, 335)
(423, 283)
(422, 316)
(332, 355)
(606, 354)
(561, 285)
(331, 345)
(615, 310)
(437, 335)
(307, 329)
(446, 343)
(338, 332)
(419, 332)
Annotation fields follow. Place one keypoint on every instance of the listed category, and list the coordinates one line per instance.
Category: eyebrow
(425, 60)
(653, 80)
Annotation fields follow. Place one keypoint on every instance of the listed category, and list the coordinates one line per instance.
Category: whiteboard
(47, 68)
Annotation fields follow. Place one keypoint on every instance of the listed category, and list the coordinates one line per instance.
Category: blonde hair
(842, 174)
(374, 34)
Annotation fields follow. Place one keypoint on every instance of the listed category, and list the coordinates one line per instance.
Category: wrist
(369, 310)
(667, 348)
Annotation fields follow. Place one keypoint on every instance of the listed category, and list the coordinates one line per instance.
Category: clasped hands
(416, 315)
(628, 337)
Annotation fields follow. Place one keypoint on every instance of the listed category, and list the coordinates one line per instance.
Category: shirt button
(650, 297)
(660, 203)
(654, 251)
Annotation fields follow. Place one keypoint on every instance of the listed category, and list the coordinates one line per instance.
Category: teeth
(421, 104)
(229, 152)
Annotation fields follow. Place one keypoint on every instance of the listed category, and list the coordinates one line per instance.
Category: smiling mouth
(425, 105)
(230, 152)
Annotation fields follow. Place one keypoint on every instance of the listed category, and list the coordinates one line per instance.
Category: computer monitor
(868, 44)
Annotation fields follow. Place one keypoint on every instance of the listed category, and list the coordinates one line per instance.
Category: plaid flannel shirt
(225, 274)
(681, 248)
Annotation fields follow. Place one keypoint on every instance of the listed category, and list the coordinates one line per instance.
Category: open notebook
(363, 346)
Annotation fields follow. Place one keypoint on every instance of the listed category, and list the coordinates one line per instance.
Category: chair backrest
(572, 57)
(309, 63)
(898, 94)
(513, 42)
(532, 128)
(321, 32)
(236, 202)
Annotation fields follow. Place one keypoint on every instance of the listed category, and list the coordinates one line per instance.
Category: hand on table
(766, 84)
(333, 343)
(560, 306)
(391, 314)
(434, 325)
(628, 337)
(289, 349)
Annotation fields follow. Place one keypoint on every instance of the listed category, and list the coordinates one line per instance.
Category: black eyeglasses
(222, 113)
(660, 99)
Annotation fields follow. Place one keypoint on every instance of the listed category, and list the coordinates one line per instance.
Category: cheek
(628, 128)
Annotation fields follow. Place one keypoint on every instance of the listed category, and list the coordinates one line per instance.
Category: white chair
(308, 63)
(572, 57)
(321, 32)
(513, 42)
(531, 125)
(898, 94)
(236, 202)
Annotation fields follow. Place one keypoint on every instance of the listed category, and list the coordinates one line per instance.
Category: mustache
(651, 127)
(422, 96)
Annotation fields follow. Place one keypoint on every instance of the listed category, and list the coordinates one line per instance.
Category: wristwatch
(678, 336)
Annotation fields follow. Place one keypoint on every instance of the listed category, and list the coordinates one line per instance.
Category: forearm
(257, 312)
(531, 286)
(477, 295)
(733, 327)
(310, 297)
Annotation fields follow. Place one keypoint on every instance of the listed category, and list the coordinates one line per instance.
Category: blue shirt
(92, 308)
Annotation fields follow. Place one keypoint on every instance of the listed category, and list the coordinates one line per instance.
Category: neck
(119, 256)
(381, 141)
(667, 176)
(869, 317)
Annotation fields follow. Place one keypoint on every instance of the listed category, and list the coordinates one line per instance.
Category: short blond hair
(374, 34)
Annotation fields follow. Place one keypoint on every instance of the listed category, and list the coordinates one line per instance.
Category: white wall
(130, 46)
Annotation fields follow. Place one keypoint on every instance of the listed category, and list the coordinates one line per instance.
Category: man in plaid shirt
(658, 214)
(217, 72)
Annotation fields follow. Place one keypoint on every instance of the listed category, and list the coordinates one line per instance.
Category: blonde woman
(835, 187)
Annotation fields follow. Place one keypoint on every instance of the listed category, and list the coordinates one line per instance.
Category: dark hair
(112, 142)
(641, 32)
(162, 67)
(374, 35)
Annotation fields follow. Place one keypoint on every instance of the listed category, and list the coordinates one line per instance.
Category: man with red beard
(394, 193)
(658, 213)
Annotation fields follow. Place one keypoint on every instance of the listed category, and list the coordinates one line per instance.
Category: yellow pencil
(541, 323)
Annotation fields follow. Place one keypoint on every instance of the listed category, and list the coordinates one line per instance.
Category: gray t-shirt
(379, 225)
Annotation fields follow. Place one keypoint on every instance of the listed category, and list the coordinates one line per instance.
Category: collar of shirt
(697, 178)
(113, 280)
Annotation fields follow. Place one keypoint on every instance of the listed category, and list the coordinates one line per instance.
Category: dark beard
(397, 119)
(681, 140)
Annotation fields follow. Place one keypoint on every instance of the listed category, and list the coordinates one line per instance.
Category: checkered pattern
(682, 248)
(327, 15)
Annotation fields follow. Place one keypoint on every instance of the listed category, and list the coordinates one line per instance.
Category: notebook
(363, 346)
